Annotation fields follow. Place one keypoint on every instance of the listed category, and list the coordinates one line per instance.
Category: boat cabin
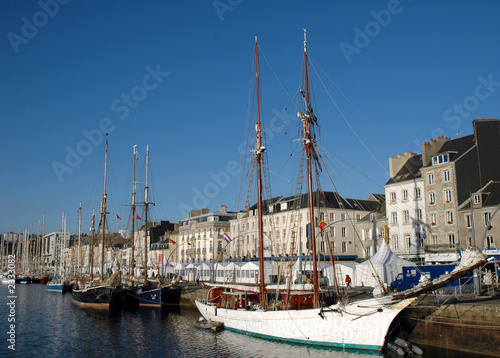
(226, 298)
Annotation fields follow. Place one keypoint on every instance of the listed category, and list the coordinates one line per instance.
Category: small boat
(57, 285)
(205, 324)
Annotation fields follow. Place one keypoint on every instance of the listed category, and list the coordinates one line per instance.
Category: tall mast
(43, 240)
(259, 149)
(308, 139)
(134, 183)
(79, 263)
(91, 249)
(103, 211)
(146, 204)
(37, 254)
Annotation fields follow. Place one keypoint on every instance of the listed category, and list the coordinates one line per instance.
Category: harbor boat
(204, 324)
(148, 291)
(106, 292)
(299, 314)
(57, 285)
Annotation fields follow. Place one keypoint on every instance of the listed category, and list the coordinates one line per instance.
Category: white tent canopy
(386, 264)
(341, 269)
(250, 272)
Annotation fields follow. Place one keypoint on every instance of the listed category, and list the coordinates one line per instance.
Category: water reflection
(49, 325)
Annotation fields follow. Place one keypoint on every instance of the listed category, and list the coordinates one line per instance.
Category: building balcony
(443, 248)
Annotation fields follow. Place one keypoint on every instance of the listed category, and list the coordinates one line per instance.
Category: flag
(227, 238)
(137, 217)
(321, 224)
(119, 218)
(171, 242)
(189, 243)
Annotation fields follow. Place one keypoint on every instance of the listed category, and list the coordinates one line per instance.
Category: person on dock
(347, 281)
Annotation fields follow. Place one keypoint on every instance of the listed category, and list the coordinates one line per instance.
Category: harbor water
(47, 324)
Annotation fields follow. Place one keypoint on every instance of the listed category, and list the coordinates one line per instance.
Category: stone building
(285, 224)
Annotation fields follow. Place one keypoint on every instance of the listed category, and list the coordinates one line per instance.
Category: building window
(440, 159)
(434, 239)
(487, 219)
(395, 241)
(489, 242)
(332, 231)
(446, 174)
(432, 198)
(447, 196)
(394, 218)
(332, 217)
(469, 240)
(417, 193)
(420, 242)
(393, 197)
(406, 217)
(418, 214)
(468, 220)
(433, 219)
(451, 240)
(344, 247)
(449, 217)
(342, 217)
(431, 179)
(344, 232)
(408, 241)
(405, 195)
(477, 199)
(284, 218)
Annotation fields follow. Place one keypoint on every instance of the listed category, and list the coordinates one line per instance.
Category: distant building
(201, 235)
(480, 219)
(404, 195)
(452, 170)
(52, 244)
(285, 222)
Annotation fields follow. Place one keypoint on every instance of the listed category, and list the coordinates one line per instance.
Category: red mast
(306, 119)
(259, 149)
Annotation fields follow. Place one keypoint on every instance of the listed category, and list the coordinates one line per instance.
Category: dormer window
(440, 159)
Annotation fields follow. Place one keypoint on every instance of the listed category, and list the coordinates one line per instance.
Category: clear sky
(176, 75)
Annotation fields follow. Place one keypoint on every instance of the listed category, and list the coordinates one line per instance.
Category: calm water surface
(49, 325)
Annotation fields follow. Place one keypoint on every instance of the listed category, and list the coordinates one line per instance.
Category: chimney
(396, 163)
(431, 148)
(223, 209)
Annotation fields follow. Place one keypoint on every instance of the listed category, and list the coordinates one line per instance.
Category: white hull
(362, 324)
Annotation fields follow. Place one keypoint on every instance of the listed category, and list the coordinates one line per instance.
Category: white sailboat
(300, 315)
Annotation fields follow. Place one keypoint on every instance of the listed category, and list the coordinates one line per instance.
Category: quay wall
(467, 327)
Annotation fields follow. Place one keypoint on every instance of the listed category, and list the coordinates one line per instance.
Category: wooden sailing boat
(103, 294)
(301, 317)
(151, 292)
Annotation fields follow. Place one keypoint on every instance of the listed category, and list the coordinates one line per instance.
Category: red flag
(119, 218)
(321, 224)
(189, 243)
(137, 217)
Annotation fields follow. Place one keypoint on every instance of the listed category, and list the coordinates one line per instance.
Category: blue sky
(176, 75)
